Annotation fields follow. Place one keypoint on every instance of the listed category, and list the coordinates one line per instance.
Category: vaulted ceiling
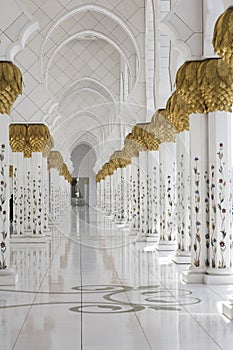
(72, 65)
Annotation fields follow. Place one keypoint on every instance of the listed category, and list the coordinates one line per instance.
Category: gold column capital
(223, 34)
(55, 160)
(163, 128)
(215, 78)
(188, 87)
(49, 145)
(10, 85)
(38, 136)
(177, 113)
(17, 137)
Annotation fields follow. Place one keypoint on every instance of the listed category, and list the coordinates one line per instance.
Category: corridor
(93, 287)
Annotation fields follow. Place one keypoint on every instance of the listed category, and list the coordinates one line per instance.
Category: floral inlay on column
(21, 199)
(213, 212)
(28, 200)
(220, 205)
(197, 198)
(208, 228)
(171, 215)
(155, 199)
(39, 193)
(162, 204)
(3, 212)
(15, 202)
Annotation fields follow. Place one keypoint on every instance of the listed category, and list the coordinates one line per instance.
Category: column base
(150, 248)
(194, 275)
(227, 310)
(28, 239)
(141, 237)
(182, 257)
(8, 277)
(48, 232)
(133, 232)
(218, 276)
(152, 237)
(54, 223)
(127, 228)
(167, 246)
(109, 216)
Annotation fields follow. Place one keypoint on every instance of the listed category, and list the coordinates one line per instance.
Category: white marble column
(168, 218)
(54, 196)
(118, 195)
(7, 275)
(18, 194)
(135, 194)
(45, 198)
(128, 193)
(144, 194)
(123, 196)
(101, 194)
(115, 197)
(27, 195)
(199, 199)
(183, 254)
(37, 229)
(154, 209)
(107, 195)
(98, 194)
(219, 269)
(111, 181)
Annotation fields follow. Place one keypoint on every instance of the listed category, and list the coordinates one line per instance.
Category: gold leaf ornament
(10, 85)
(223, 36)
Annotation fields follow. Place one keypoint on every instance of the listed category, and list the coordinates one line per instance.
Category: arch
(86, 89)
(80, 34)
(89, 79)
(19, 45)
(94, 8)
(78, 141)
(79, 114)
(105, 12)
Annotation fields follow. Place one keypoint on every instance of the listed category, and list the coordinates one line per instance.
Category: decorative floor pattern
(93, 287)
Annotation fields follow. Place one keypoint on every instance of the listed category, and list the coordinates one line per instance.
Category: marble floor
(93, 287)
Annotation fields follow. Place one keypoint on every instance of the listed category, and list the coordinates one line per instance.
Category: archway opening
(83, 158)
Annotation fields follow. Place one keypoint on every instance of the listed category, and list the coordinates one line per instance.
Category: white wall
(84, 158)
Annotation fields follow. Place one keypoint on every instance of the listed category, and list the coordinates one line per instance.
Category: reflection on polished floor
(94, 287)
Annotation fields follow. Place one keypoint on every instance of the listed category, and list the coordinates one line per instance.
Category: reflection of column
(167, 154)
(199, 199)
(7, 275)
(183, 254)
(154, 213)
(219, 269)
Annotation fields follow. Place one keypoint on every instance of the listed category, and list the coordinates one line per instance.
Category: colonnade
(34, 174)
(180, 170)
(40, 188)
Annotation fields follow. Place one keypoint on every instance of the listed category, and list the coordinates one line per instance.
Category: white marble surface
(124, 297)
